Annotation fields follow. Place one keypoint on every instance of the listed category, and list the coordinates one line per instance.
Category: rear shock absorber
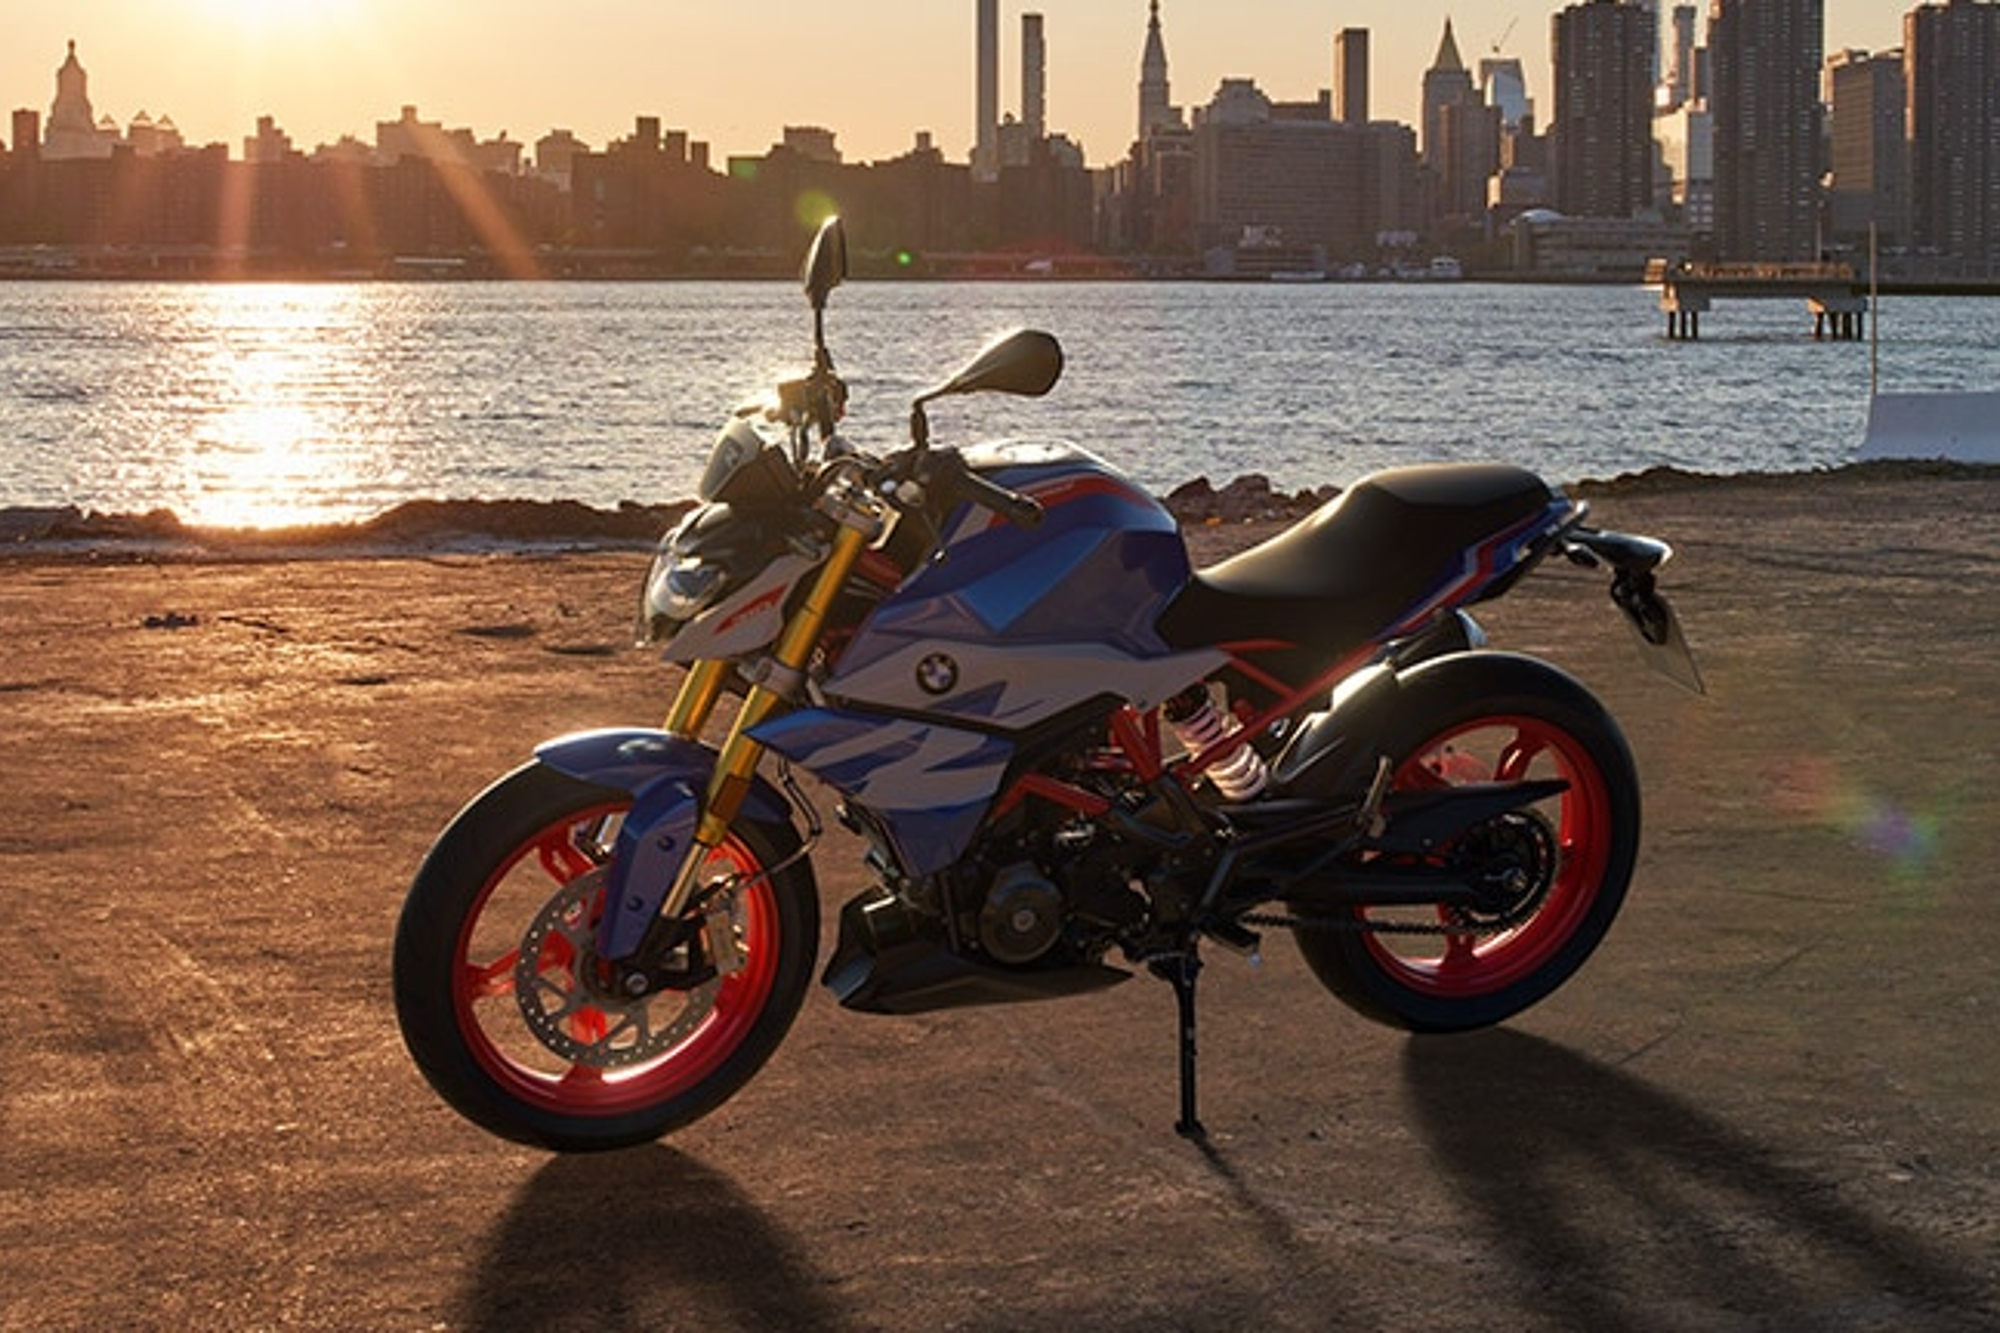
(1198, 724)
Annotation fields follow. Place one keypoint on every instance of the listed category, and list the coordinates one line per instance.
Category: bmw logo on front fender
(937, 674)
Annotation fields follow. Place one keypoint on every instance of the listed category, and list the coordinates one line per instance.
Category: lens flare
(1815, 790)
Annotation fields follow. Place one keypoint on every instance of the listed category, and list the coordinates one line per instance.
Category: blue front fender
(665, 776)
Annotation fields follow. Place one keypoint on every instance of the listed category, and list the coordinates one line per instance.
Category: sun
(261, 20)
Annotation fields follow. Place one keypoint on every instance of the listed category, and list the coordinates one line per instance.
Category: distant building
(1951, 60)
(1765, 64)
(268, 144)
(1446, 83)
(653, 191)
(815, 143)
(1686, 137)
(1680, 86)
(1034, 76)
(1602, 131)
(986, 95)
(1148, 206)
(1866, 95)
(1293, 191)
(1465, 159)
(554, 152)
(73, 130)
(1552, 245)
(1156, 108)
(1522, 182)
(1461, 142)
(409, 136)
(1504, 86)
(153, 138)
(27, 135)
(1350, 75)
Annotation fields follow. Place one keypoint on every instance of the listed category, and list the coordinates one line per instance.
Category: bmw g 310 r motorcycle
(1066, 749)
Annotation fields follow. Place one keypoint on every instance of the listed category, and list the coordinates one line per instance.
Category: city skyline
(735, 78)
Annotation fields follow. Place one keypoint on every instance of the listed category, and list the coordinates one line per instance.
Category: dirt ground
(1771, 1101)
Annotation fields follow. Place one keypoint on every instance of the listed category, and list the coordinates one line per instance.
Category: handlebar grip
(1022, 511)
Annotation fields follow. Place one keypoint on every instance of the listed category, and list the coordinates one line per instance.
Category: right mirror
(1026, 362)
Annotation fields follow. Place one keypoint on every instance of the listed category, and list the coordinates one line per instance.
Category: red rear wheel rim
(1501, 748)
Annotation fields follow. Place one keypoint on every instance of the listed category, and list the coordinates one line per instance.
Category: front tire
(1492, 717)
(492, 984)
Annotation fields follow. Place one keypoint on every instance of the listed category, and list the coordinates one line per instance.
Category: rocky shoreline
(421, 525)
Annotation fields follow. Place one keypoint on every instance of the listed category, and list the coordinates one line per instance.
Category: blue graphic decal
(930, 784)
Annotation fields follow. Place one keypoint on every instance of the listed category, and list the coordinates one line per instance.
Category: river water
(263, 405)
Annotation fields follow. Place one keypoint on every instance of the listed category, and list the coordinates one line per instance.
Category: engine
(1022, 917)
(1033, 907)
(1031, 914)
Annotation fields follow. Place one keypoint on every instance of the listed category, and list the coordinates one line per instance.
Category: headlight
(713, 549)
(681, 587)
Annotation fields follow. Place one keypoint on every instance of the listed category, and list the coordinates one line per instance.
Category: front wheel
(503, 1011)
(1480, 718)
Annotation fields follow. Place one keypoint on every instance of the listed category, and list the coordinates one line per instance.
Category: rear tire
(565, 1068)
(1485, 717)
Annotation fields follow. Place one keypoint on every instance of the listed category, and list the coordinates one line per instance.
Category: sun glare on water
(273, 442)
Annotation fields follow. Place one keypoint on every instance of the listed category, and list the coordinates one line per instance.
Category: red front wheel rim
(490, 1020)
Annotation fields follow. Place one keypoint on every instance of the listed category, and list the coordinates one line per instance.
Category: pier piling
(1837, 298)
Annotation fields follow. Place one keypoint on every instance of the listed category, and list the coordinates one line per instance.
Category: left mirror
(826, 262)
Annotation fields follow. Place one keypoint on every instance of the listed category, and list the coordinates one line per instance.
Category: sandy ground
(1771, 1101)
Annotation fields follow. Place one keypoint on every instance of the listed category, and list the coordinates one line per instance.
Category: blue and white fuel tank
(1009, 628)
(1014, 625)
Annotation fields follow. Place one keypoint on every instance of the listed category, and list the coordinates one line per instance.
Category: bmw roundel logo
(937, 674)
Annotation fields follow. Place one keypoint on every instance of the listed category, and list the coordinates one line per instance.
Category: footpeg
(1234, 935)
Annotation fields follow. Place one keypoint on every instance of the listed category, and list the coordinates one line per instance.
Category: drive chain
(1361, 925)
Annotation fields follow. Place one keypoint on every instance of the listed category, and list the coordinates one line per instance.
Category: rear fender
(1333, 754)
(666, 776)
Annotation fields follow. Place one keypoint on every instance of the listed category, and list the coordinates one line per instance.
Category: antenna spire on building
(1155, 100)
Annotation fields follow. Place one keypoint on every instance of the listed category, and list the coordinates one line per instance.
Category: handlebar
(1022, 511)
(934, 480)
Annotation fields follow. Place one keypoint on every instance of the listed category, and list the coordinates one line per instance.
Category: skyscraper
(986, 123)
(1156, 111)
(72, 129)
(1504, 85)
(1034, 77)
(1652, 22)
(1951, 64)
(1350, 75)
(1867, 112)
(1679, 85)
(1603, 123)
(1446, 82)
(1765, 65)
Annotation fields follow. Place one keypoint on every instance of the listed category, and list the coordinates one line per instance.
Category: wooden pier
(1837, 298)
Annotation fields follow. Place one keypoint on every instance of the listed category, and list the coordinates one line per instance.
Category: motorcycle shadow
(1610, 1197)
(647, 1237)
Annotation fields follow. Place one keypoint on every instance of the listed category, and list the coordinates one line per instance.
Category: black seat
(1360, 562)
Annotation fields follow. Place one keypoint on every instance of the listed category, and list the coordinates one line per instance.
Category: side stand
(1180, 970)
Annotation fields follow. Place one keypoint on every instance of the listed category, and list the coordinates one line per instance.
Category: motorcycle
(1071, 756)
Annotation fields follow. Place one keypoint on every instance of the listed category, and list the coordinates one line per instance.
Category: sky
(734, 73)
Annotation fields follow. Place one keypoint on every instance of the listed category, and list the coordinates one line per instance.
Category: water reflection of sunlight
(270, 381)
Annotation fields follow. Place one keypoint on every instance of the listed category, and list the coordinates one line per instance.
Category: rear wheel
(1565, 862)
(507, 1017)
